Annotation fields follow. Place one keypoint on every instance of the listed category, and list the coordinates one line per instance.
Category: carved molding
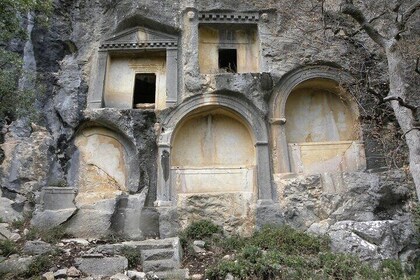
(138, 46)
(231, 17)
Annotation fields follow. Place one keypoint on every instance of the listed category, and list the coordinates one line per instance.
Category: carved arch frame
(131, 160)
(251, 117)
(277, 113)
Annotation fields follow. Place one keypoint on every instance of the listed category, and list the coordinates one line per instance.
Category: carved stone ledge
(214, 17)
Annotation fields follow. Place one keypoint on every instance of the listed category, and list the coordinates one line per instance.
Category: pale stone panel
(207, 50)
(213, 152)
(315, 115)
(119, 85)
(213, 141)
(243, 39)
(214, 180)
(102, 171)
(323, 157)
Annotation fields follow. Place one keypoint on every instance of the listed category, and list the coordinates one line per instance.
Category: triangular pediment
(140, 35)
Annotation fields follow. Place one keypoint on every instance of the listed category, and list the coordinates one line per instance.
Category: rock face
(160, 113)
(364, 214)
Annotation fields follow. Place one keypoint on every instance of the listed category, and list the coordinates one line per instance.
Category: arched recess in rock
(103, 165)
(314, 123)
(214, 161)
(213, 152)
(222, 109)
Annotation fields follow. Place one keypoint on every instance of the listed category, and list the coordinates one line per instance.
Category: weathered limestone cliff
(160, 113)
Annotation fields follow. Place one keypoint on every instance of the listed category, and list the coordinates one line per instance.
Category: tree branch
(348, 8)
(370, 21)
(411, 129)
(401, 102)
(407, 14)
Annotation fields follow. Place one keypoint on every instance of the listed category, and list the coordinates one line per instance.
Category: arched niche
(213, 151)
(314, 123)
(103, 165)
(199, 112)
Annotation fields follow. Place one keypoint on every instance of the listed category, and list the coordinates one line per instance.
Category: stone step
(173, 274)
(149, 244)
(160, 265)
(157, 254)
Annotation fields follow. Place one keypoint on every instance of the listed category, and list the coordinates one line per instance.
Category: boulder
(37, 247)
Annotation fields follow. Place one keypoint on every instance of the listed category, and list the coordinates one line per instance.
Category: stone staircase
(160, 256)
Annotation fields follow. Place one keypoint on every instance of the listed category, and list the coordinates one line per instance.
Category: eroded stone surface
(37, 247)
(287, 40)
(362, 213)
(233, 211)
(93, 220)
(102, 266)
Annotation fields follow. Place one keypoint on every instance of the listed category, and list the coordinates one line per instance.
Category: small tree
(402, 49)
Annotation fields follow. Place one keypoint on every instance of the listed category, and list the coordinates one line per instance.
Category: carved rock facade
(172, 111)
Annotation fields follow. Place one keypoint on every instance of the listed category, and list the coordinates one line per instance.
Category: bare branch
(348, 8)
(401, 102)
(376, 94)
(370, 21)
(407, 14)
(411, 129)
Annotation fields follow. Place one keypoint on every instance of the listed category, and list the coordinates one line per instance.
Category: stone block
(160, 265)
(7, 212)
(51, 218)
(136, 275)
(172, 274)
(93, 220)
(37, 247)
(157, 254)
(5, 233)
(56, 198)
(102, 266)
(119, 276)
(15, 265)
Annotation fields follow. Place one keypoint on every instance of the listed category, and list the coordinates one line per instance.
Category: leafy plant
(133, 256)
(286, 253)
(52, 235)
(8, 247)
(39, 265)
(200, 230)
(289, 240)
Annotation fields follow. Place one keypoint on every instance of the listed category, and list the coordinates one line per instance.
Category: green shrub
(18, 224)
(285, 253)
(39, 265)
(232, 243)
(199, 230)
(341, 266)
(7, 248)
(133, 256)
(289, 240)
(52, 235)
(392, 269)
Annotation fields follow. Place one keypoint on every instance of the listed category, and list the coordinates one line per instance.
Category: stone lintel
(229, 17)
